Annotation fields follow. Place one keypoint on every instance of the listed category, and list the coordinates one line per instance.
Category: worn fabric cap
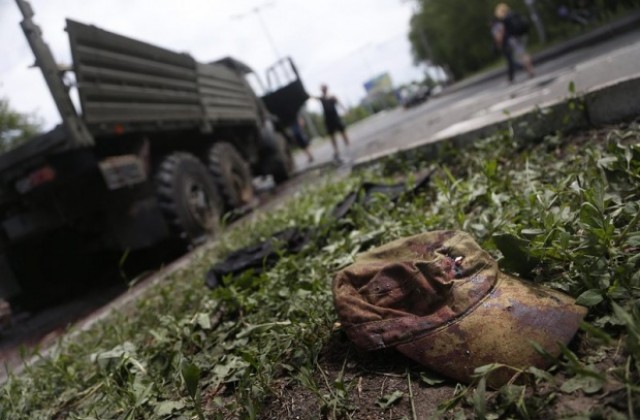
(441, 300)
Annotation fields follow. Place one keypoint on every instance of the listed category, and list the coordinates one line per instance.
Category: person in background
(302, 140)
(509, 29)
(332, 120)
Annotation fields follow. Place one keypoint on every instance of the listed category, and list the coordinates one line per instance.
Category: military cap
(441, 300)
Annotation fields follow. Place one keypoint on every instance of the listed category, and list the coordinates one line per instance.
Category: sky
(341, 43)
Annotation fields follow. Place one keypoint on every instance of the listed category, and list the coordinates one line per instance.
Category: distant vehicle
(436, 90)
(415, 95)
(164, 145)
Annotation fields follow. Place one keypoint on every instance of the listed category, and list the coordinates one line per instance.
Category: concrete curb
(613, 102)
(610, 103)
(602, 33)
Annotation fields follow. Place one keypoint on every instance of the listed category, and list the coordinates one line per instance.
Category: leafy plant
(562, 212)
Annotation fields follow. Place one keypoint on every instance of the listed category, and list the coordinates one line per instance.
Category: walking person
(509, 29)
(332, 120)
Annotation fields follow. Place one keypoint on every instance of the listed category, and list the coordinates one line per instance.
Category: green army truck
(162, 147)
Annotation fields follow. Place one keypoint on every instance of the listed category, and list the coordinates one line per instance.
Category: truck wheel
(188, 197)
(231, 174)
(280, 164)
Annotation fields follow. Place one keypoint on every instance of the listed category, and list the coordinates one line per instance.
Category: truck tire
(231, 174)
(279, 163)
(187, 197)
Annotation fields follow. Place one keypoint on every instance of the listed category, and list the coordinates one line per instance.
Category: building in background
(380, 93)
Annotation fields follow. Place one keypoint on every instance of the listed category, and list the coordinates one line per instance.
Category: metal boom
(76, 128)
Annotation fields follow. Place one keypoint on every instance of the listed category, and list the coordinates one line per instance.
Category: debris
(265, 254)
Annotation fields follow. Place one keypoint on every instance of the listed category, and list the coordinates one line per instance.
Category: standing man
(508, 31)
(332, 120)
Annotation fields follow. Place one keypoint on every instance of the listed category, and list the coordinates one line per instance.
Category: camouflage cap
(441, 300)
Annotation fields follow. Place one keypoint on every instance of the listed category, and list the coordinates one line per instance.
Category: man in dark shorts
(332, 120)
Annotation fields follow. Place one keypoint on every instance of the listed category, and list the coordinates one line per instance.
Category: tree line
(456, 34)
(15, 127)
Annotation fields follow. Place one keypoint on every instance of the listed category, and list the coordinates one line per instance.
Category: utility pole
(368, 73)
(75, 126)
(537, 22)
(258, 12)
(426, 47)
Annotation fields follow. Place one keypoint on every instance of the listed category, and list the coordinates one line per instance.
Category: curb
(605, 104)
(599, 34)
(613, 102)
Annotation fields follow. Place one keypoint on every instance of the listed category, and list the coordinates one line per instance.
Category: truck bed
(127, 85)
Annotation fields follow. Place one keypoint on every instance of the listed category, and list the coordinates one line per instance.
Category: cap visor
(500, 329)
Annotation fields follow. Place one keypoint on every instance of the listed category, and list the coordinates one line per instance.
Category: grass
(564, 211)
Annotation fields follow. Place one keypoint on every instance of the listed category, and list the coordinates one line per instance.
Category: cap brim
(500, 329)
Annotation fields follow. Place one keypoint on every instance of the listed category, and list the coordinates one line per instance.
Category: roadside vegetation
(15, 127)
(456, 34)
(563, 212)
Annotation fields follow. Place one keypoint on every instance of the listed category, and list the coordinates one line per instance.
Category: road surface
(487, 102)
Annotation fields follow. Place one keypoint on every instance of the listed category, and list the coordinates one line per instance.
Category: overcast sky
(339, 42)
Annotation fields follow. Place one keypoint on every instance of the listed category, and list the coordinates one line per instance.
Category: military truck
(162, 147)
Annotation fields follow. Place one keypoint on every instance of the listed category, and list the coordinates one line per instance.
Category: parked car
(415, 95)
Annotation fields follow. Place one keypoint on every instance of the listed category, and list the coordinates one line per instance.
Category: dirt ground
(369, 378)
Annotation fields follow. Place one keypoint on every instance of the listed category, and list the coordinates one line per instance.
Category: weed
(563, 213)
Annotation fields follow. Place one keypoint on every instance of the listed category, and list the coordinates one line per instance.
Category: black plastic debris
(265, 254)
(259, 256)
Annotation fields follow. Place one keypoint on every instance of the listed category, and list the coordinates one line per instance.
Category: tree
(453, 33)
(356, 114)
(456, 34)
(15, 127)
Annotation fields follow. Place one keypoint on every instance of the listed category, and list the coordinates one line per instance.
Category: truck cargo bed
(133, 85)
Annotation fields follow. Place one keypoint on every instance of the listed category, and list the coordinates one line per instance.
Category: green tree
(15, 127)
(456, 34)
(356, 114)
(453, 33)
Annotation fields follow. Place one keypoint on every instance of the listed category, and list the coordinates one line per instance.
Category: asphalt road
(487, 102)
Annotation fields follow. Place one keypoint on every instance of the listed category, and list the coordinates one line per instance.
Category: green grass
(567, 206)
